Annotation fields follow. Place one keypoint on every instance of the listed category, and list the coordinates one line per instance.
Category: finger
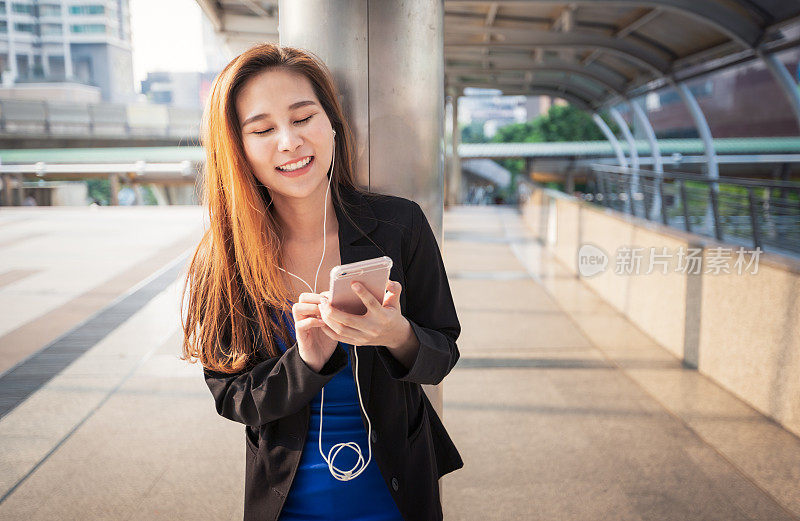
(339, 328)
(366, 297)
(392, 296)
(341, 317)
(311, 298)
(302, 310)
(308, 323)
(330, 332)
(333, 335)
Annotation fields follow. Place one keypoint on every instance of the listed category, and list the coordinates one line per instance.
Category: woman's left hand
(383, 324)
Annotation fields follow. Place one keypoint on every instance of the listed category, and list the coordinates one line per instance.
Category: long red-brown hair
(233, 279)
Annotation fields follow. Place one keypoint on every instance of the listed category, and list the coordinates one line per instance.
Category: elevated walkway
(561, 408)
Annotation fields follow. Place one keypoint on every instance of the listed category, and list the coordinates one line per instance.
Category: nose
(289, 140)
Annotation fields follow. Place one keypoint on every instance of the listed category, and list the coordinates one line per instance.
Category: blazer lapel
(350, 233)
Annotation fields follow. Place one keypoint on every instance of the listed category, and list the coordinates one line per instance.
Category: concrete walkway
(561, 409)
(564, 410)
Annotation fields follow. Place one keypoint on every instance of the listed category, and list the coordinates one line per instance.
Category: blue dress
(315, 493)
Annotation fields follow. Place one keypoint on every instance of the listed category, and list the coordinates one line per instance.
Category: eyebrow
(293, 106)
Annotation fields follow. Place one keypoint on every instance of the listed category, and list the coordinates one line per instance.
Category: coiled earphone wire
(360, 465)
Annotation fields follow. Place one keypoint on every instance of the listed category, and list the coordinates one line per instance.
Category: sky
(159, 43)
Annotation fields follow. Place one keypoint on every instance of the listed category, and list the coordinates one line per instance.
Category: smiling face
(286, 135)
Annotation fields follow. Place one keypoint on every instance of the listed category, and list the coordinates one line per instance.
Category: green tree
(99, 189)
(473, 133)
(560, 123)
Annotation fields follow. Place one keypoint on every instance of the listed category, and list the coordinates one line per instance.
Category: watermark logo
(591, 260)
(632, 260)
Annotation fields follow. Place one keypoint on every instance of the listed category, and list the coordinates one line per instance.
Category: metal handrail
(698, 204)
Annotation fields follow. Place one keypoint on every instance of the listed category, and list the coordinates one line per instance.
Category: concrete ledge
(740, 328)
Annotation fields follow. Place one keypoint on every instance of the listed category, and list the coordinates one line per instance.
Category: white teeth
(295, 166)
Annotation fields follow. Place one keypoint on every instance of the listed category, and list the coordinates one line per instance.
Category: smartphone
(373, 274)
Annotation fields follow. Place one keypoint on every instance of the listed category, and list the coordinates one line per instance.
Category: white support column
(712, 168)
(68, 72)
(703, 129)
(785, 80)
(623, 162)
(655, 151)
(634, 155)
(454, 172)
(12, 43)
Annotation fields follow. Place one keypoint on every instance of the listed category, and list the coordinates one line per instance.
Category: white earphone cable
(360, 465)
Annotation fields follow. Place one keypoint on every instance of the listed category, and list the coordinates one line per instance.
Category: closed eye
(302, 121)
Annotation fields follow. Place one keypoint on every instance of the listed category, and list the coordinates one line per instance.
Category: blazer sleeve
(274, 388)
(429, 309)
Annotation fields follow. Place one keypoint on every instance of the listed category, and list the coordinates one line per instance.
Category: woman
(278, 175)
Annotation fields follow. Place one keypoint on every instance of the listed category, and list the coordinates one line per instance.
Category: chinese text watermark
(631, 260)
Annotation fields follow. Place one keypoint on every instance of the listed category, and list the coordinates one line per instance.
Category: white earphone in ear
(334, 133)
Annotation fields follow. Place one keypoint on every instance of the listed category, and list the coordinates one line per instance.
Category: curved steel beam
(719, 15)
(702, 127)
(710, 152)
(612, 139)
(634, 155)
(626, 133)
(531, 39)
(655, 150)
(600, 71)
(537, 91)
(557, 84)
(785, 80)
(573, 69)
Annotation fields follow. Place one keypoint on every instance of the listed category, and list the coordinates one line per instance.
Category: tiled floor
(560, 407)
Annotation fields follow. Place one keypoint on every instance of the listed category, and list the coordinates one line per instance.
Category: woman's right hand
(314, 345)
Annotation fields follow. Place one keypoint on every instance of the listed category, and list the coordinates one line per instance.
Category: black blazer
(409, 442)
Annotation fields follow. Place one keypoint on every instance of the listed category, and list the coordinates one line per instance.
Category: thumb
(392, 297)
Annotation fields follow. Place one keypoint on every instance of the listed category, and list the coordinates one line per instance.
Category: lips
(292, 161)
(298, 171)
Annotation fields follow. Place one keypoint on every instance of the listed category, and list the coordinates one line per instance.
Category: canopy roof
(595, 52)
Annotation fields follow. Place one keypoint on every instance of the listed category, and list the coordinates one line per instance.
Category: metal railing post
(628, 180)
(684, 205)
(664, 217)
(715, 210)
(754, 218)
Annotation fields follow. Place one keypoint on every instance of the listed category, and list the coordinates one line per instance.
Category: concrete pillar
(20, 189)
(68, 72)
(454, 174)
(113, 181)
(137, 190)
(388, 62)
(12, 43)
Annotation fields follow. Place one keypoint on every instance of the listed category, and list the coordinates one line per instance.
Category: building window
(88, 28)
(49, 10)
(22, 8)
(24, 28)
(51, 29)
(87, 9)
(2, 8)
(56, 65)
(3, 26)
